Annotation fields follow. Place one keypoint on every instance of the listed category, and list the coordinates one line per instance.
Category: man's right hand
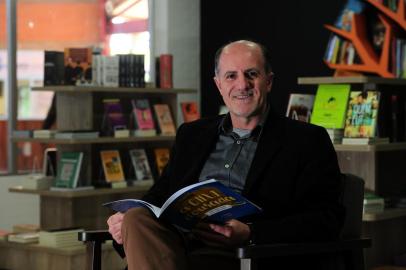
(115, 221)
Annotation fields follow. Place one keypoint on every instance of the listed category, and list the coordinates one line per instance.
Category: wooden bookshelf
(390, 213)
(100, 140)
(140, 188)
(92, 89)
(370, 148)
(351, 80)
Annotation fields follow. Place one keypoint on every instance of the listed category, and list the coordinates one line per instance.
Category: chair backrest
(352, 197)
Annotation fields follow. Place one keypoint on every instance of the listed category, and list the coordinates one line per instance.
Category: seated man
(286, 167)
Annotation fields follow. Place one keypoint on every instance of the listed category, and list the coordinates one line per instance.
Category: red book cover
(165, 70)
(189, 111)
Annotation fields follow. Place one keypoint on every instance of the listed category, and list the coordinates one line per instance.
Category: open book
(207, 201)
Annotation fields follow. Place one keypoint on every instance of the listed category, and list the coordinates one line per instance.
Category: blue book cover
(208, 201)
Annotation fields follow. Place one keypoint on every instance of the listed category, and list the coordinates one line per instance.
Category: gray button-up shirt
(231, 159)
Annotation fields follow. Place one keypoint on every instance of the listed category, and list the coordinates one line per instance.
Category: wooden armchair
(350, 245)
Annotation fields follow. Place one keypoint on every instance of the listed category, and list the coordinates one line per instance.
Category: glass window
(111, 26)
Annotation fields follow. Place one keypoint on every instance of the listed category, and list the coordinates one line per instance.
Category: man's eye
(252, 74)
(230, 76)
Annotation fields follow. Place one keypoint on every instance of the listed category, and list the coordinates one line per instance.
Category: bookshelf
(81, 108)
(382, 168)
(371, 62)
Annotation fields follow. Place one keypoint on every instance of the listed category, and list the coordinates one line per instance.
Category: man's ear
(217, 82)
(269, 81)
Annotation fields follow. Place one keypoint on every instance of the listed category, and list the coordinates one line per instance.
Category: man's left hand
(233, 233)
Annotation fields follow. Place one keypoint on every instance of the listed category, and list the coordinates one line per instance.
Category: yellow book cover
(112, 167)
(161, 158)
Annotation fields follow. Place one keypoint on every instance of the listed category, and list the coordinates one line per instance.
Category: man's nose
(243, 82)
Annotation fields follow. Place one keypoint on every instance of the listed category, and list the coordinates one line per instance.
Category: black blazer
(294, 177)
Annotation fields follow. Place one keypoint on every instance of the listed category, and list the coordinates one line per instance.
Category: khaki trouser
(149, 245)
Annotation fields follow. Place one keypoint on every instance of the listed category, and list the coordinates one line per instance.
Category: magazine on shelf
(207, 201)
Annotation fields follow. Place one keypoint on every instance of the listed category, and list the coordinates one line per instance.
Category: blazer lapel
(269, 143)
(203, 145)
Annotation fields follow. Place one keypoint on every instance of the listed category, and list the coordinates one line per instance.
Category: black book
(53, 68)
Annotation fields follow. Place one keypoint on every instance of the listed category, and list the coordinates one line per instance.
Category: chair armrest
(270, 250)
(94, 236)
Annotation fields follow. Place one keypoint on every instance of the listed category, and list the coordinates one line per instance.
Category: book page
(123, 205)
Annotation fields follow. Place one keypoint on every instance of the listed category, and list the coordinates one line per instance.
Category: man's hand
(115, 221)
(233, 233)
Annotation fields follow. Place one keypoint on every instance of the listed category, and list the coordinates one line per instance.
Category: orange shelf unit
(398, 16)
(370, 61)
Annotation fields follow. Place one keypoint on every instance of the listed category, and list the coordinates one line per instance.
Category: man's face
(242, 80)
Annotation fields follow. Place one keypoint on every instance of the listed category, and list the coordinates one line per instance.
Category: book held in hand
(208, 201)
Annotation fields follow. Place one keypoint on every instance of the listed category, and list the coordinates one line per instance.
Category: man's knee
(137, 215)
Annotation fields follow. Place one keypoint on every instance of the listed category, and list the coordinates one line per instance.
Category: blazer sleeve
(315, 212)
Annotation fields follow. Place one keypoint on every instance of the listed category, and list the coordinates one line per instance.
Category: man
(286, 167)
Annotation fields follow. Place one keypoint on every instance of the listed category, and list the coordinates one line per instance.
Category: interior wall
(16, 208)
(292, 30)
(74, 24)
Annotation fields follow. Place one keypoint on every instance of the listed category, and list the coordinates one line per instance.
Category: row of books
(142, 121)
(341, 51)
(70, 163)
(351, 114)
(83, 66)
(126, 70)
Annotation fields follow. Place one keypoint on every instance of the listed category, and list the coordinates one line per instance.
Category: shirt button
(238, 142)
(227, 166)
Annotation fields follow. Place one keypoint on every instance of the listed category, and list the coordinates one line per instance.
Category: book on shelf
(113, 117)
(362, 114)
(24, 238)
(110, 70)
(78, 66)
(300, 107)
(121, 133)
(336, 135)
(54, 68)
(165, 70)
(142, 118)
(365, 141)
(37, 181)
(68, 170)
(25, 227)
(373, 203)
(190, 111)
(161, 158)
(43, 133)
(140, 164)
(164, 118)
(23, 134)
(60, 238)
(207, 201)
(112, 167)
(81, 188)
(330, 105)
(77, 134)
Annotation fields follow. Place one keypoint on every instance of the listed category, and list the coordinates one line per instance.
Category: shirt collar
(225, 127)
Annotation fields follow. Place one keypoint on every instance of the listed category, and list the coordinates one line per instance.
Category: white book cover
(300, 107)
